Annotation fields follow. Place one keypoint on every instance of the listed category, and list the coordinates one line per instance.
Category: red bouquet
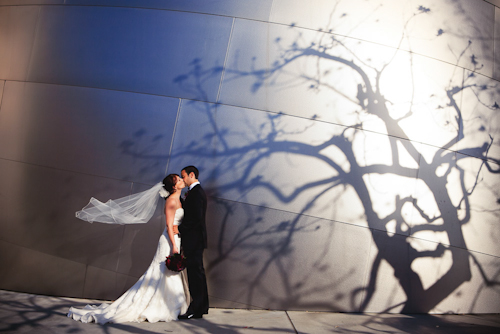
(176, 262)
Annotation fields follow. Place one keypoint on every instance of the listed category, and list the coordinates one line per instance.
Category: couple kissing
(159, 294)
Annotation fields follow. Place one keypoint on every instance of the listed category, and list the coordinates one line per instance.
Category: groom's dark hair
(191, 169)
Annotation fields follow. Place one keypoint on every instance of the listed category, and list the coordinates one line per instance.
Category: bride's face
(180, 183)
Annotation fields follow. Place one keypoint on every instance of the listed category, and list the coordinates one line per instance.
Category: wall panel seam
(490, 160)
(495, 62)
(179, 106)
(491, 3)
(225, 62)
(30, 61)
(65, 259)
(136, 7)
(275, 23)
(354, 225)
(3, 93)
(72, 171)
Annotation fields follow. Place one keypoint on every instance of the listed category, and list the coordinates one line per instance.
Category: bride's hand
(175, 250)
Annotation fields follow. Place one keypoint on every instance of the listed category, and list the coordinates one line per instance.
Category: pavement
(28, 313)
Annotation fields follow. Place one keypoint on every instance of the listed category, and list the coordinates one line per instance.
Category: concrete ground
(27, 313)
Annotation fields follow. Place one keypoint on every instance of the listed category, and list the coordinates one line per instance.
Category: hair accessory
(163, 193)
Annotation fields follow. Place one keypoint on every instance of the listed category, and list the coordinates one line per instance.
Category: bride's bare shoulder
(173, 203)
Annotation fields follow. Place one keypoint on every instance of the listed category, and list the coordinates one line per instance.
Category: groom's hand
(176, 229)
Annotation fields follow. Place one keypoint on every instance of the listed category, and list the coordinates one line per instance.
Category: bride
(159, 295)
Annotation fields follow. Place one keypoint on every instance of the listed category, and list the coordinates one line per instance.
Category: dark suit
(193, 233)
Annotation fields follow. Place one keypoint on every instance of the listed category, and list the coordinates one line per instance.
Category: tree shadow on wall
(282, 250)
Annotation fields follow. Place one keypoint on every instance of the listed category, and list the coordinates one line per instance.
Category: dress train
(158, 295)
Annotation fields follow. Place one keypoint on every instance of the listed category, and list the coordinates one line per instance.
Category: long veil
(133, 209)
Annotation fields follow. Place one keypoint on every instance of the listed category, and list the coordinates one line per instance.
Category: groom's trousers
(197, 282)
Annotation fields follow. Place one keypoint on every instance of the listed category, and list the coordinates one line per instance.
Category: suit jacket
(193, 229)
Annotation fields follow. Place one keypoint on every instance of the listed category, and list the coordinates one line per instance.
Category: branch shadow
(239, 160)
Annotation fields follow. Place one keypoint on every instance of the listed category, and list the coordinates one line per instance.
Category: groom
(193, 233)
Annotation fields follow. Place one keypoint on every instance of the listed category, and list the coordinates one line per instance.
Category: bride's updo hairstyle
(169, 182)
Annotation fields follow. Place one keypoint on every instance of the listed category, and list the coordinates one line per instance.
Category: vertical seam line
(225, 61)
(173, 135)
(3, 93)
(37, 28)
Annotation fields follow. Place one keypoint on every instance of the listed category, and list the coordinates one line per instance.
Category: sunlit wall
(350, 149)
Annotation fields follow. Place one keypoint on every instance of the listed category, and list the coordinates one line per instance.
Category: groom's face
(188, 179)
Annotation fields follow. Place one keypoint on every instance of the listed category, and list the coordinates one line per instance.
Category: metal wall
(350, 149)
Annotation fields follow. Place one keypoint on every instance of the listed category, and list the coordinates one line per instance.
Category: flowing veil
(133, 209)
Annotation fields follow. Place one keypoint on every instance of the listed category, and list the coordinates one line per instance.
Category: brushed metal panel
(456, 281)
(223, 303)
(138, 245)
(37, 211)
(420, 96)
(388, 183)
(475, 294)
(30, 2)
(433, 217)
(130, 49)
(284, 70)
(104, 284)
(469, 45)
(268, 69)
(2, 85)
(194, 141)
(496, 60)
(388, 269)
(261, 257)
(256, 10)
(480, 229)
(378, 21)
(412, 275)
(458, 199)
(296, 165)
(17, 35)
(28, 270)
(427, 27)
(494, 2)
(105, 133)
(480, 121)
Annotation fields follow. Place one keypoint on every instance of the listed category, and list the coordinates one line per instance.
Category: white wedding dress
(157, 296)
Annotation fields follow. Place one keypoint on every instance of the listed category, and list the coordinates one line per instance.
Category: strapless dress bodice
(179, 214)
